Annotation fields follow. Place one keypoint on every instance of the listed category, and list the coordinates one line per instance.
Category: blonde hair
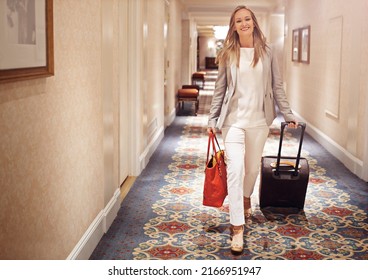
(231, 49)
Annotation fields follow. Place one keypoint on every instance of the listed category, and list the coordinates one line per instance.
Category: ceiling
(207, 13)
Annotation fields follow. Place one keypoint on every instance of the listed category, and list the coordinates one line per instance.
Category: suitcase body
(284, 180)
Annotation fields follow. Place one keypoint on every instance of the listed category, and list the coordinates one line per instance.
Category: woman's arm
(218, 96)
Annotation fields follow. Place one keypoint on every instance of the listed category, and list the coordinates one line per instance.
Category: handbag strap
(211, 140)
(218, 145)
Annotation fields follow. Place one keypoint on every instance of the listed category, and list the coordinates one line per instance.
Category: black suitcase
(284, 180)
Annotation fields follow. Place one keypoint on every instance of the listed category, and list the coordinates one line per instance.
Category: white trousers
(243, 150)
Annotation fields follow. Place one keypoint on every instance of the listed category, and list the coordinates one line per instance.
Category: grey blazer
(273, 89)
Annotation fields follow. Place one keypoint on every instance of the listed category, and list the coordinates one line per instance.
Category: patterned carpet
(163, 218)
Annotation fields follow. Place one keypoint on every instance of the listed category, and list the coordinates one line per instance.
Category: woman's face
(243, 23)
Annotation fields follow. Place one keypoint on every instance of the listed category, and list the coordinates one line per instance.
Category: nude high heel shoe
(237, 242)
(247, 208)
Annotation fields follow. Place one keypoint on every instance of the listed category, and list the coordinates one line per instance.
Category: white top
(246, 106)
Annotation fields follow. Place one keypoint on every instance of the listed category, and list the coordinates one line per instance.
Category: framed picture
(305, 44)
(26, 39)
(295, 49)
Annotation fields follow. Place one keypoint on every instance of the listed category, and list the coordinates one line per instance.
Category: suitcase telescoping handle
(296, 167)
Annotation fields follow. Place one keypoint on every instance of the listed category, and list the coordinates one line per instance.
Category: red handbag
(215, 184)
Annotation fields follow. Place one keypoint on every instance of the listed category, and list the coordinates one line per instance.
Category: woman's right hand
(211, 130)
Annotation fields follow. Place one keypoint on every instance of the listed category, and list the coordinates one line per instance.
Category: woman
(243, 108)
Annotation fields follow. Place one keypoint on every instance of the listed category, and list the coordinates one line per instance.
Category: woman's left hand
(292, 124)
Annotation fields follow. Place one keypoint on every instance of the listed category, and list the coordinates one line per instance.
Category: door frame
(124, 145)
(134, 85)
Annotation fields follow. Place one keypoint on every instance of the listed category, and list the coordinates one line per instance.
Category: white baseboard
(94, 233)
(151, 148)
(354, 164)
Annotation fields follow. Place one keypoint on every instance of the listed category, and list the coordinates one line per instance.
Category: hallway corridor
(162, 217)
(101, 111)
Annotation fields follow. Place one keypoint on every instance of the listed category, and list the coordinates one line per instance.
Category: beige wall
(154, 68)
(60, 136)
(314, 88)
(276, 37)
(188, 38)
(189, 48)
(149, 107)
(51, 141)
(174, 70)
(110, 95)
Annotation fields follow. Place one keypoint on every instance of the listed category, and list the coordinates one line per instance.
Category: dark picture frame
(26, 40)
(295, 46)
(305, 44)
